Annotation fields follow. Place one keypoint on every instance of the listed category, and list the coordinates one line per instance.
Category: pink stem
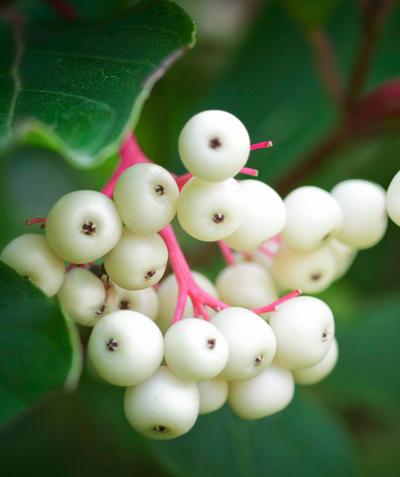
(39, 220)
(266, 251)
(63, 9)
(130, 154)
(249, 172)
(187, 286)
(227, 253)
(261, 145)
(275, 305)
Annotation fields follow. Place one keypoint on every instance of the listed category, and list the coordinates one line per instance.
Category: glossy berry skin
(252, 343)
(264, 216)
(210, 211)
(31, 256)
(137, 261)
(126, 347)
(214, 145)
(364, 211)
(85, 298)
(146, 196)
(195, 350)
(266, 394)
(83, 226)
(304, 330)
(314, 218)
(162, 407)
(319, 371)
(213, 394)
(393, 199)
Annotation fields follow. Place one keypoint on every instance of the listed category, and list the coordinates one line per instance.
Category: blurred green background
(262, 61)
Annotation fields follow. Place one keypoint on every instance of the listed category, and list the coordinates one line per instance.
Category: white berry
(304, 330)
(266, 394)
(251, 341)
(83, 226)
(213, 394)
(314, 217)
(364, 211)
(146, 196)
(195, 349)
(214, 145)
(31, 256)
(162, 407)
(126, 347)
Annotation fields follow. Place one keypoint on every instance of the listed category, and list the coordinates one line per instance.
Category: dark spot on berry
(259, 360)
(112, 345)
(160, 189)
(325, 334)
(149, 274)
(328, 236)
(215, 143)
(125, 305)
(211, 343)
(316, 276)
(100, 309)
(26, 276)
(218, 218)
(89, 228)
(160, 429)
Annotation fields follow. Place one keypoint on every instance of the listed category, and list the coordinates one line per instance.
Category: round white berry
(393, 199)
(31, 256)
(344, 256)
(251, 342)
(162, 407)
(320, 370)
(83, 226)
(210, 211)
(264, 216)
(126, 347)
(146, 196)
(214, 145)
(85, 298)
(314, 217)
(195, 349)
(304, 330)
(213, 394)
(312, 272)
(144, 301)
(266, 394)
(247, 285)
(364, 211)
(137, 261)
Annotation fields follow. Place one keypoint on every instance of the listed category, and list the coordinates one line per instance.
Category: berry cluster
(238, 342)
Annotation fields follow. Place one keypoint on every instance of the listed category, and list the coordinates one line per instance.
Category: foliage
(271, 78)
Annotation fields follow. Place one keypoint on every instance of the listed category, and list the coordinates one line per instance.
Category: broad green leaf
(311, 13)
(366, 372)
(304, 440)
(79, 87)
(39, 350)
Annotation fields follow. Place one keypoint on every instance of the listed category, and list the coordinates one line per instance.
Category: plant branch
(66, 11)
(325, 58)
(374, 15)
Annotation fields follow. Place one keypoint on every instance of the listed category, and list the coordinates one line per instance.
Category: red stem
(63, 9)
(261, 145)
(130, 154)
(227, 253)
(39, 220)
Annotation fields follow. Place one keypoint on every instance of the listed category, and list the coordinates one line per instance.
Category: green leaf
(366, 373)
(78, 87)
(304, 440)
(39, 350)
(311, 13)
